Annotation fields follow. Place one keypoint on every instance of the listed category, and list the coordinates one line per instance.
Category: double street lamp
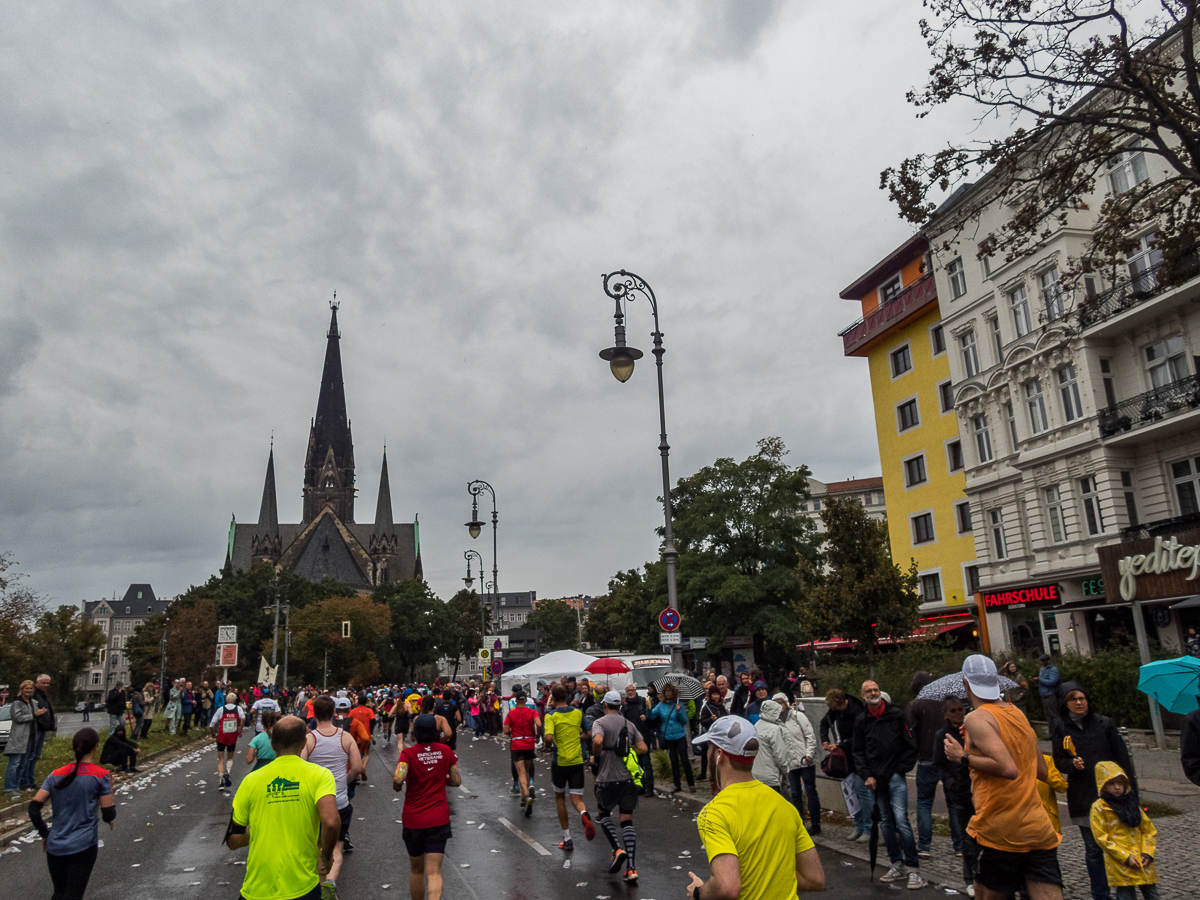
(622, 287)
(475, 526)
(468, 555)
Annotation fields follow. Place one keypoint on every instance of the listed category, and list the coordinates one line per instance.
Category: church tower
(329, 466)
(266, 544)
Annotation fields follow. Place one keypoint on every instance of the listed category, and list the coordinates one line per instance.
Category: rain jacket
(1046, 790)
(1096, 740)
(801, 741)
(22, 726)
(672, 722)
(883, 745)
(1118, 840)
(771, 761)
(924, 718)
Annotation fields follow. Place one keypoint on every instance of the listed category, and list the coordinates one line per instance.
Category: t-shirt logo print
(282, 789)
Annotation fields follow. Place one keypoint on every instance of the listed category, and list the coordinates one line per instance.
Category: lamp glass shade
(473, 528)
(621, 365)
(468, 581)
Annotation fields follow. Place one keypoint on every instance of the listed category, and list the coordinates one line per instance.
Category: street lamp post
(162, 671)
(622, 287)
(475, 488)
(468, 555)
(287, 640)
(275, 634)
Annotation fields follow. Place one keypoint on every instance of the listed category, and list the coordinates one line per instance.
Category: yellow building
(929, 519)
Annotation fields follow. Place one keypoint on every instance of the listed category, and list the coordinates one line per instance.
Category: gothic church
(328, 542)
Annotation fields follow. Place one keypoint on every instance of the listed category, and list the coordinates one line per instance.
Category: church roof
(383, 507)
(331, 427)
(268, 512)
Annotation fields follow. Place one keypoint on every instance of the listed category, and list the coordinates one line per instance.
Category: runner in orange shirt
(364, 715)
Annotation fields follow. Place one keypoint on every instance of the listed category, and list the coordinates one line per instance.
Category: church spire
(268, 513)
(383, 507)
(329, 466)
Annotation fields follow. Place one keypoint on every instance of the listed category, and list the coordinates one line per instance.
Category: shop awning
(931, 628)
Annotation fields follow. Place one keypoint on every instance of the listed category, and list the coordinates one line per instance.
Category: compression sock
(610, 832)
(630, 836)
(566, 834)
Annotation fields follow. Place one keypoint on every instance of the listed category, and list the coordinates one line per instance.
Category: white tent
(551, 666)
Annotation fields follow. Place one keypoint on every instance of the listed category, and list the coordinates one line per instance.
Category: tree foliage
(317, 631)
(423, 628)
(625, 617)
(862, 595)
(19, 607)
(1079, 80)
(740, 539)
(470, 614)
(558, 623)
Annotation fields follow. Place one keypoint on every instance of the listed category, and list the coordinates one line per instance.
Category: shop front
(1024, 619)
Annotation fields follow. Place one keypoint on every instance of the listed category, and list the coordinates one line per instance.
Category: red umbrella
(608, 666)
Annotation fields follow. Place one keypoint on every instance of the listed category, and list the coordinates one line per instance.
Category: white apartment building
(118, 619)
(867, 491)
(1079, 415)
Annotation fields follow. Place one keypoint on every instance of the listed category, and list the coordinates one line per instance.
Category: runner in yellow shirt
(563, 729)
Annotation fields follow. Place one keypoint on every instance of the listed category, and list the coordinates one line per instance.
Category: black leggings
(680, 758)
(70, 873)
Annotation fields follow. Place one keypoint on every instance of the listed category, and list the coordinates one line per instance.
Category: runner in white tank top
(334, 749)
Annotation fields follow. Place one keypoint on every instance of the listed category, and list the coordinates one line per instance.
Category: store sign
(1093, 587)
(1153, 568)
(651, 661)
(1030, 596)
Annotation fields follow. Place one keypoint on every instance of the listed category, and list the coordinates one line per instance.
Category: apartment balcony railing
(1162, 527)
(1127, 294)
(910, 300)
(1150, 407)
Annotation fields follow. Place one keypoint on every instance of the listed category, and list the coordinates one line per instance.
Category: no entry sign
(669, 619)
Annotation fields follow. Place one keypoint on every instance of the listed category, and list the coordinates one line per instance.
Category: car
(88, 706)
(5, 724)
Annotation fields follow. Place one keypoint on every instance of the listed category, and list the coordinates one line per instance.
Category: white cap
(980, 673)
(612, 698)
(341, 703)
(731, 734)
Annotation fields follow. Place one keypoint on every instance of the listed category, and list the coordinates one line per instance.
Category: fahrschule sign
(1153, 568)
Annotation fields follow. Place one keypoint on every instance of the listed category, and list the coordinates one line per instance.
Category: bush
(894, 668)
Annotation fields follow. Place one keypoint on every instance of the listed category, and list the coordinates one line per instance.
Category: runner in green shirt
(279, 812)
(563, 728)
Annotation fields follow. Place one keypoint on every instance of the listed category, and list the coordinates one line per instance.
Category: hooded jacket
(838, 727)
(771, 762)
(1119, 840)
(883, 745)
(1189, 746)
(924, 718)
(1096, 739)
(801, 741)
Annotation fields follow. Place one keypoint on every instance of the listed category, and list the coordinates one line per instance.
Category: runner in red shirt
(426, 768)
(523, 725)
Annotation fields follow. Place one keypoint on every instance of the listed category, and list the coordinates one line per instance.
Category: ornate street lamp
(622, 287)
(468, 555)
(475, 526)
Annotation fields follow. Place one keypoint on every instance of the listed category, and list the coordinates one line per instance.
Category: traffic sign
(671, 638)
(229, 655)
(485, 656)
(490, 640)
(498, 645)
(669, 620)
(497, 667)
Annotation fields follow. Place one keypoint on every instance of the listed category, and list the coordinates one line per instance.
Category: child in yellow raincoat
(1125, 834)
(1047, 790)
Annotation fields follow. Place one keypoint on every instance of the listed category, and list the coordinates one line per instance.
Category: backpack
(227, 726)
(835, 764)
(361, 735)
(628, 754)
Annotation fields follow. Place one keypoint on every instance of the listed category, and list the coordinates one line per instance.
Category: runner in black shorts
(523, 724)
(615, 787)
(423, 772)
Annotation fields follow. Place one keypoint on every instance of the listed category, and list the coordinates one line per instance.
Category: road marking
(466, 790)
(523, 836)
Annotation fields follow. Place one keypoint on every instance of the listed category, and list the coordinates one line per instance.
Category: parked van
(643, 671)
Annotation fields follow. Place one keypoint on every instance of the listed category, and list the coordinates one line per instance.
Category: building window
(983, 439)
(907, 415)
(1068, 386)
(817, 505)
(937, 340)
(1052, 296)
(997, 340)
(1127, 170)
(914, 471)
(972, 579)
(127, 610)
(1020, 310)
(1054, 512)
(103, 657)
(1186, 475)
(969, 353)
(1166, 362)
(95, 678)
(999, 542)
(922, 526)
(958, 278)
(890, 291)
(1036, 401)
(962, 516)
(1091, 505)
(1130, 497)
(946, 396)
(954, 456)
(931, 588)
(901, 361)
(1110, 391)
(1143, 262)
(1011, 416)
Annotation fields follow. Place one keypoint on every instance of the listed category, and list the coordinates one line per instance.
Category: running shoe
(589, 830)
(631, 874)
(895, 873)
(347, 845)
(924, 854)
(616, 861)
(566, 845)
(328, 891)
(529, 807)
(915, 881)
(514, 790)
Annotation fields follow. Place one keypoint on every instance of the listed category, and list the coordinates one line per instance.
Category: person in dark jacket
(1081, 739)
(837, 730)
(760, 694)
(956, 780)
(741, 695)
(885, 751)
(114, 705)
(119, 751)
(1189, 746)
(710, 710)
(924, 719)
(637, 712)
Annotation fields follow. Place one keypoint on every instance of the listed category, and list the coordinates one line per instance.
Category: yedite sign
(1153, 568)
(1040, 593)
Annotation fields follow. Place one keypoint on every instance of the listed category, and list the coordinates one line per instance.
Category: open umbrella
(952, 686)
(1172, 682)
(607, 665)
(689, 688)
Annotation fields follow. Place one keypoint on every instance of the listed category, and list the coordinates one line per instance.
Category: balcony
(911, 300)
(1134, 293)
(1161, 405)
(1161, 528)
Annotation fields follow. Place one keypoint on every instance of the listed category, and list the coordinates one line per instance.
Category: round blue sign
(669, 619)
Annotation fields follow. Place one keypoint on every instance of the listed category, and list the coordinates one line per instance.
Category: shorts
(230, 747)
(564, 777)
(622, 795)
(346, 813)
(1007, 872)
(518, 755)
(419, 841)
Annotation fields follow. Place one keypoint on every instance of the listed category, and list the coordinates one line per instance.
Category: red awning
(931, 628)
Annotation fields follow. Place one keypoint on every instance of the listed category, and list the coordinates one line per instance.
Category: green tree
(862, 595)
(19, 607)
(558, 623)
(470, 614)
(143, 649)
(740, 539)
(423, 628)
(625, 617)
(63, 645)
(317, 630)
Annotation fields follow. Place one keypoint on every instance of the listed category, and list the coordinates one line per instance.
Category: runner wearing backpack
(226, 727)
(616, 743)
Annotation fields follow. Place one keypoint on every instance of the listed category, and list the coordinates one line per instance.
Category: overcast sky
(186, 185)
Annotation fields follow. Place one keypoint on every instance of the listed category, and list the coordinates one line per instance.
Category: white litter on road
(190, 869)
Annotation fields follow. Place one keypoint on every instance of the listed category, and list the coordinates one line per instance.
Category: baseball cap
(1045, 657)
(980, 673)
(341, 703)
(731, 734)
(518, 690)
(612, 698)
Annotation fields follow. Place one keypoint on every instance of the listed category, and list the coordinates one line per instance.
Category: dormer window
(139, 596)
(128, 610)
(890, 290)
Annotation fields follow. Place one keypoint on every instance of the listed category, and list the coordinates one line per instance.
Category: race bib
(229, 725)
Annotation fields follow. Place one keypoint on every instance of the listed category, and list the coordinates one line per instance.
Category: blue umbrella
(1172, 682)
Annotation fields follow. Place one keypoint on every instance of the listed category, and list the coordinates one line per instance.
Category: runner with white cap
(613, 737)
